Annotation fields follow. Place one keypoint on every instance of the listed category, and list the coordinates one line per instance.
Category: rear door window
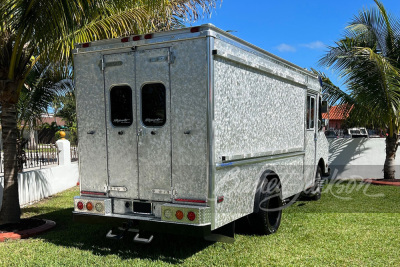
(121, 105)
(153, 97)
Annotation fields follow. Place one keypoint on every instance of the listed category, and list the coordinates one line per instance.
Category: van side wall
(259, 126)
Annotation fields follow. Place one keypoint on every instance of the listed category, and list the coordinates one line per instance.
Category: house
(336, 116)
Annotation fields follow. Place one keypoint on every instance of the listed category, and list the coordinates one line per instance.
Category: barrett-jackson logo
(122, 121)
(158, 120)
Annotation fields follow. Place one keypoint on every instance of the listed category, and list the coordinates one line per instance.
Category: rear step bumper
(148, 226)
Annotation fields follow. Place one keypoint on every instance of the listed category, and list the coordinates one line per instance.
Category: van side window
(153, 97)
(121, 105)
(310, 112)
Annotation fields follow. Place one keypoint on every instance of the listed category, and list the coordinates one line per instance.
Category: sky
(296, 30)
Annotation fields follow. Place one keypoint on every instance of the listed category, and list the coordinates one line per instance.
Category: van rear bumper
(145, 225)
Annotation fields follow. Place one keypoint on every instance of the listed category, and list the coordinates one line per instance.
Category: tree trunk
(391, 148)
(10, 211)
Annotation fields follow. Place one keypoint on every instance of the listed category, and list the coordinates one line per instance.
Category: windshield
(355, 131)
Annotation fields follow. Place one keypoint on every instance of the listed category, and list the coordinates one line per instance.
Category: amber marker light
(179, 214)
(89, 206)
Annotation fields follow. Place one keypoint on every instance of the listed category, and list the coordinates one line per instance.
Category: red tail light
(148, 36)
(125, 39)
(85, 45)
(191, 216)
(80, 205)
(195, 29)
(136, 38)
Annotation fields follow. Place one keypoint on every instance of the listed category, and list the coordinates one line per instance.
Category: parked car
(331, 134)
(356, 132)
(374, 134)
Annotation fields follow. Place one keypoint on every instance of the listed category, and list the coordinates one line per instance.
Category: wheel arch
(266, 176)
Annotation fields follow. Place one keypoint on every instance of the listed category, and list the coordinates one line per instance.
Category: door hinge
(101, 64)
(118, 188)
(171, 192)
(171, 57)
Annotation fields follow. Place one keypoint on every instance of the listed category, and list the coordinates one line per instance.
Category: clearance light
(99, 207)
(148, 36)
(195, 29)
(85, 45)
(136, 38)
(125, 39)
(80, 205)
(191, 216)
(89, 206)
(179, 214)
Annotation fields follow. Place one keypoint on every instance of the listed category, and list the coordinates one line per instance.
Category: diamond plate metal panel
(203, 214)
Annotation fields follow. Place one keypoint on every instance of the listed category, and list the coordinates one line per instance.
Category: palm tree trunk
(10, 210)
(391, 148)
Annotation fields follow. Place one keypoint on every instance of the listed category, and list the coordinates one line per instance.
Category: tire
(268, 217)
(314, 193)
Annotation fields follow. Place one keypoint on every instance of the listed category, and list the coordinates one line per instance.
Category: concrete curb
(380, 182)
(29, 232)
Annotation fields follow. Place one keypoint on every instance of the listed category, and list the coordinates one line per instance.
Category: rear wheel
(268, 217)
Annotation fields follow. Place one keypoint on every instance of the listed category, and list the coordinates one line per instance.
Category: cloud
(315, 45)
(286, 48)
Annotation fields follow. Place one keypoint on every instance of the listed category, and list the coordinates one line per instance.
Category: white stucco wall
(38, 184)
(358, 158)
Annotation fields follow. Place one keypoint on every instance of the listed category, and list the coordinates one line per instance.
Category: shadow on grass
(91, 237)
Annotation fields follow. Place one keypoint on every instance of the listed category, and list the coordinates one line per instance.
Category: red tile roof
(339, 112)
(49, 120)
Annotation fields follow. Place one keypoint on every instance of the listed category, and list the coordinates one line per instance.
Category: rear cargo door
(121, 123)
(154, 124)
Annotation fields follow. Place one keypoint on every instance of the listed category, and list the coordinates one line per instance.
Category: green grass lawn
(351, 225)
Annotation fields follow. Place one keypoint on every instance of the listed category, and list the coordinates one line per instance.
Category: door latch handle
(91, 132)
(121, 132)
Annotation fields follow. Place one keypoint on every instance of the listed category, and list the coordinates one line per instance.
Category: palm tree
(368, 58)
(33, 31)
